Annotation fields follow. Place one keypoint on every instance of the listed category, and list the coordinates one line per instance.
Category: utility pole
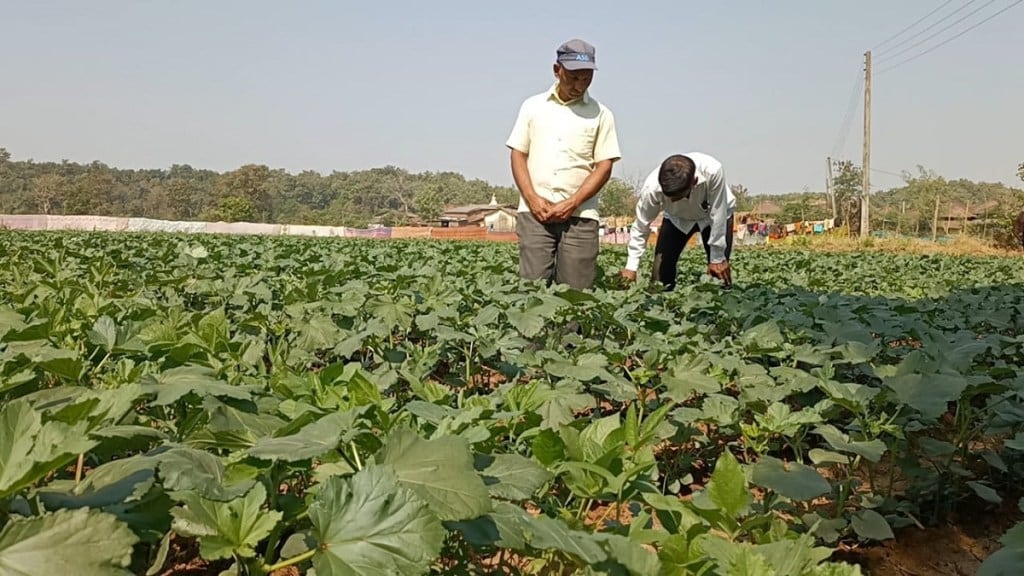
(866, 168)
(829, 190)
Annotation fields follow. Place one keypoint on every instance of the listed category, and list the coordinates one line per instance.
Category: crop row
(402, 407)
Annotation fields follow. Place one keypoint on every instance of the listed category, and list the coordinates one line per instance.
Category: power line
(961, 19)
(887, 172)
(922, 19)
(932, 25)
(851, 109)
(948, 40)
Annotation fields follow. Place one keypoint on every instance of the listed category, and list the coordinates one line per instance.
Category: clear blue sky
(333, 85)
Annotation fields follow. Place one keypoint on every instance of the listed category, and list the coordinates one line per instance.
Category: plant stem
(355, 454)
(291, 561)
(78, 468)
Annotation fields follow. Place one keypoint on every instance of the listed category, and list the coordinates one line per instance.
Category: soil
(956, 548)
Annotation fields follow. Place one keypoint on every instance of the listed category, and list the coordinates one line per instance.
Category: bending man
(692, 192)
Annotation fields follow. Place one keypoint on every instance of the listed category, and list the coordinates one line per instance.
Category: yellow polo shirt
(563, 142)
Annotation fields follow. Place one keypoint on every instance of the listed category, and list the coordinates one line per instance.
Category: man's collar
(553, 94)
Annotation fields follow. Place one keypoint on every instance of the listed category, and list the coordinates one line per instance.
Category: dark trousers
(567, 249)
(672, 240)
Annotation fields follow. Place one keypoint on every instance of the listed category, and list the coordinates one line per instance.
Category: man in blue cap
(563, 145)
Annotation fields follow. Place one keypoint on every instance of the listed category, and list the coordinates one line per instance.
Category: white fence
(111, 224)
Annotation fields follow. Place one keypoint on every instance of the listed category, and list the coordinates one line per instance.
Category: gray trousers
(568, 249)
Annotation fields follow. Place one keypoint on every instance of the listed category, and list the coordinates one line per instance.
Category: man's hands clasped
(548, 212)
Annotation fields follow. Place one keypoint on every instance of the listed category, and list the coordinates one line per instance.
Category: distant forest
(393, 196)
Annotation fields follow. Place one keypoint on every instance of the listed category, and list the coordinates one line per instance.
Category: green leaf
(986, 493)
(928, 394)
(528, 323)
(819, 456)
(65, 364)
(683, 382)
(828, 529)
(764, 336)
(29, 450)
(869, 524)
(312, 441)
(548, 447)
(370, 525)
(747, 562)
(872, 450)
(511, 476)
(185, 469)
(19, 424)
(226, 528)
(728, 486)
(103, 333)
(1003, 562)
(637, 559)
(792, 480)
(1016, 443)
(171, 385)
(440, 471)
(82, 542)
(586, 367)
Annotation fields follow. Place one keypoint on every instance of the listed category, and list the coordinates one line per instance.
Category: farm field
(207, 404)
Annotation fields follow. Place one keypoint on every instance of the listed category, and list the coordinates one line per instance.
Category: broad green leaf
(370, 525)
(728, 486)
(171, 385)
(511, 476)
(586, 367)
(819, 456)
(440, 471)
(188, 470)
(928, 394)
(545, 533)
(29, 450)
(104, 333)
(637, 559)
(792, 480)
(528, 323)
(63, 363)
(872, 450)
(828, 529)
(19, 424)
(1003, 562)
(311, 441)
(931, 447)
(548, 447)
(869, 524)
(122, 480)
(1014, 537)
(600, 436)
(503, 527)
(747, 562)
(1015, 443)
(226, 528)
(985, 492)
(764, 336)
(82, 542)
(682, 382)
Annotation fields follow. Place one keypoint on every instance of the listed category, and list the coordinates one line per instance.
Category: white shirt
(563, 142)
(711, 202)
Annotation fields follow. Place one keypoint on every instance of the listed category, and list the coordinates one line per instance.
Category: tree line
(392, 196)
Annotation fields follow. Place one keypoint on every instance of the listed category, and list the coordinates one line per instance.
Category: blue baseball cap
(577, 55)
